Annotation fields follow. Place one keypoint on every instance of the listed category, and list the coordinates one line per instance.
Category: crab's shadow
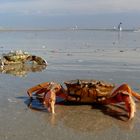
(116, 111)
(34, 104)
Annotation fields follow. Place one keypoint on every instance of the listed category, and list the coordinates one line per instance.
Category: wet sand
(18, 122)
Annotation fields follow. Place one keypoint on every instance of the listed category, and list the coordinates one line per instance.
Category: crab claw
(130, 105)
(123, 97)
(48, 92)
(37, 59)
(49, 101)
(50, 96)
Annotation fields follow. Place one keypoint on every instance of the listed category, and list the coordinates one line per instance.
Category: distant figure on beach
(119, 27)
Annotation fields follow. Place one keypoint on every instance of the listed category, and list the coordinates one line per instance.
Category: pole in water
(119, 27)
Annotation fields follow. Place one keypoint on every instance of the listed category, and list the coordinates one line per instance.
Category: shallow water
(107, 55)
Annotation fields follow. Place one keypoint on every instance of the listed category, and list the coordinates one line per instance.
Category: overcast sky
(65, 8)
(61, 7)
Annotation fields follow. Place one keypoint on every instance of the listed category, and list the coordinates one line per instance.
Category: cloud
(64, 7)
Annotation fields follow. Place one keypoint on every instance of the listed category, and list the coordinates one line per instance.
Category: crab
(20, 57)
(85, 92)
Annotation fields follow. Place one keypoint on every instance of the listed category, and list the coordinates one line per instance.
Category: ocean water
(87, 51)
(71, 54)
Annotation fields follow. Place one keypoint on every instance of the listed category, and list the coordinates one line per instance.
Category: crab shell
(88, 91)
(19, 57)
(16, 56)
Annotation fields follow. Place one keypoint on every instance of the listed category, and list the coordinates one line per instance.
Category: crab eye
(56, 88)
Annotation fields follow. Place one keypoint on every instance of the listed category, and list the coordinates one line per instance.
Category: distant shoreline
(63, 29)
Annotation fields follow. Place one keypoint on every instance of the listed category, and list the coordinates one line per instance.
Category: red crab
(86, 91)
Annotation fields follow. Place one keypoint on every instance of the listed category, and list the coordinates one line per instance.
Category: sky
(68, 13)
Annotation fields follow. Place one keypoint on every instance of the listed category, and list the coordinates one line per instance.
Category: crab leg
(127, 99)
(39, 89)
(127, 88)
(124, 94)
(50, 90)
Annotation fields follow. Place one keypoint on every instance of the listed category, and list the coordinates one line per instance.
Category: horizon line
(64, 29)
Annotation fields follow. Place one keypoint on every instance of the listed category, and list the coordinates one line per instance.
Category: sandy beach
(101, 55)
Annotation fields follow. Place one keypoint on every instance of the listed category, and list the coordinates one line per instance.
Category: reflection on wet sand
(21, 70)
(84, 118)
